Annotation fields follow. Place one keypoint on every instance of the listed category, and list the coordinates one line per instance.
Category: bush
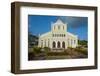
(57, 53)
(46, 49)
(70, 48)
(81, 50)
(37, 50)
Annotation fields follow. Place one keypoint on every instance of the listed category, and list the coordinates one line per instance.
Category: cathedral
(58, 37)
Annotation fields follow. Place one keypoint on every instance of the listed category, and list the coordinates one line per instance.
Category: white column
(66, 44)
(50, 43)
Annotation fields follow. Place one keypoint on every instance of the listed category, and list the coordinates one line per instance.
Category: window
(58, 27)
(58, 44)
(62, 35)
(74, 41)
(63, 27)
(54, 44)
(63, 44)
(59, 35)
(53, 35)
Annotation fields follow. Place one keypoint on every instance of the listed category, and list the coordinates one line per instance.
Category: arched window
(58, 44)
(63, 27)
(52, 35)
(58, 27)
(59, 35)
(63, 44)
(74, 41)
(62, 35)
(54, 44)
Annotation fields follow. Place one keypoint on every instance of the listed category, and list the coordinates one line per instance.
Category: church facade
(58, 37)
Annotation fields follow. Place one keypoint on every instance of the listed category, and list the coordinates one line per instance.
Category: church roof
(59, 21)
(72, 35)
(45, 34)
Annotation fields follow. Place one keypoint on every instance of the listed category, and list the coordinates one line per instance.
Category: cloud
(75, 22)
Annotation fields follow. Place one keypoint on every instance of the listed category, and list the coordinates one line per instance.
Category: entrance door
(58, 44)
(54, 44)
(63, 44)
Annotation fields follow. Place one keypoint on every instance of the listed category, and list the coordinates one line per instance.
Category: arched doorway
(63, 44)
(58, 44)
(54, 44)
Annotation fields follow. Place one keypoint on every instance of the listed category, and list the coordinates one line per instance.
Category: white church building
(58, 37)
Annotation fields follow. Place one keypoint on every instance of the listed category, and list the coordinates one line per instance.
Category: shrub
(70, 48)
(81, 50)
(37, 50)
(57, 53)
(46, 49)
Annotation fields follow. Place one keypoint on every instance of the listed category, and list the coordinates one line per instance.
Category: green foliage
(81, 50)
(82, 42)
(46, 49)
(70, 48)
(32, 40)
(57, 53)
(37, 50)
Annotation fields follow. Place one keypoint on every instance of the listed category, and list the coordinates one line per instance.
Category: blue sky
(39, 24)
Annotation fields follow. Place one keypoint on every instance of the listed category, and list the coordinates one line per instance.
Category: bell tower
(59, 26)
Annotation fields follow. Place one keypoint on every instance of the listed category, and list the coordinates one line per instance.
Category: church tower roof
(59, 21)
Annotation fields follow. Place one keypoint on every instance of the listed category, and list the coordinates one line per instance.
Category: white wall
(5, 33)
